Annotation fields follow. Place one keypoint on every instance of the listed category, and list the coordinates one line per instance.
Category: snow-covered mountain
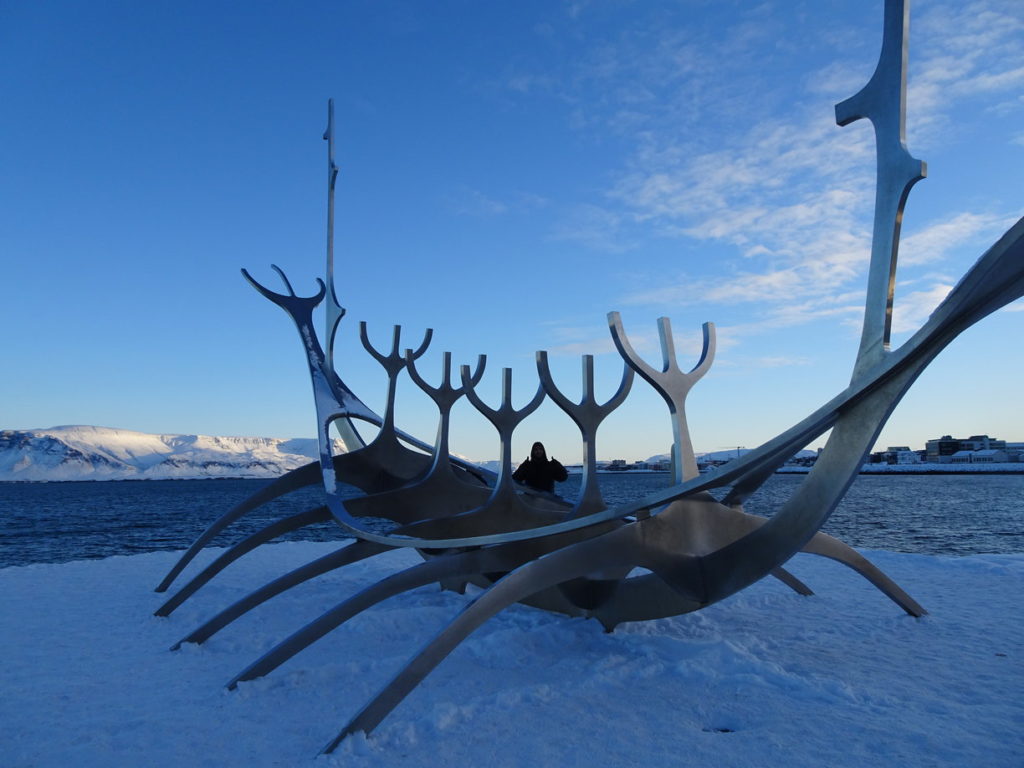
(102, 453)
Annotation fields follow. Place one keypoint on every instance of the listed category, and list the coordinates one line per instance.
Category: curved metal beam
(350, 553)
(455, 565)
(297, 478)
(249, 543)
(417, 576)
(557, 567)
(827, 546)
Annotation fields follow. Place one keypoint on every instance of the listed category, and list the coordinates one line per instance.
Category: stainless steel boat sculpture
(472, 527)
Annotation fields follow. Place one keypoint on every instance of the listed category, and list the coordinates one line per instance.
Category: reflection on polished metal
(883, 101)
(333, 310)
(471, 526)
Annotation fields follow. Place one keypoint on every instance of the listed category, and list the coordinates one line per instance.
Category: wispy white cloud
(595, 227)
(472, 202)
(779, 361)
(466, 201)
(1002, 108)
(523, 83)
(767, 361)
(595, 346)
(973, 50)
(912, 309)
(576, 340)
(723, 159)
(791, 194)
(934, 242)
(835, 78)
(689, 344)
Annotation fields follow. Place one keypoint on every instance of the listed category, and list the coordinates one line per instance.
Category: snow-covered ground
(766, 678)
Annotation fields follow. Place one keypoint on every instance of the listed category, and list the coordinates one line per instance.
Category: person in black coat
(539, 472)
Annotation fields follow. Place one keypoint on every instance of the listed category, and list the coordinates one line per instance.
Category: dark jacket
(541, 475)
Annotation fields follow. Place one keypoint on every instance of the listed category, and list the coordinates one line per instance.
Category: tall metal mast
(334, 311)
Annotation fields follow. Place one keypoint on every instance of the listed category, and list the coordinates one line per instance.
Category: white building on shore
(991, 456)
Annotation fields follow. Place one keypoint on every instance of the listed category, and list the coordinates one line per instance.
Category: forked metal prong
(284, 279)
(290, 300)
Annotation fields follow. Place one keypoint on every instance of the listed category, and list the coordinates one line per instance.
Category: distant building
(802, 461)
(990, 456)
(895, 454)
(982, 443)
(943, 449)
(960, 457)
(905, 456)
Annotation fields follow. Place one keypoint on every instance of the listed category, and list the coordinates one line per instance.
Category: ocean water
(57, 522)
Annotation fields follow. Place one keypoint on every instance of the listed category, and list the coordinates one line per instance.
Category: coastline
(923, 469)
(867, 469)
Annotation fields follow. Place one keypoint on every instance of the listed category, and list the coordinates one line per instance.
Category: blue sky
(509, 173)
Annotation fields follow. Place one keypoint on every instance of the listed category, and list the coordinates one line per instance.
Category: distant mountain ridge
(104, 453)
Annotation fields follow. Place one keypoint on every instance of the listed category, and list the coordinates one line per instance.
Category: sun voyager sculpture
(672, 552)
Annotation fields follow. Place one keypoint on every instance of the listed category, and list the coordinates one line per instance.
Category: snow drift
(764, 678)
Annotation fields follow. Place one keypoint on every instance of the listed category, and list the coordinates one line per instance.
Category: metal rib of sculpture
(528, 547)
